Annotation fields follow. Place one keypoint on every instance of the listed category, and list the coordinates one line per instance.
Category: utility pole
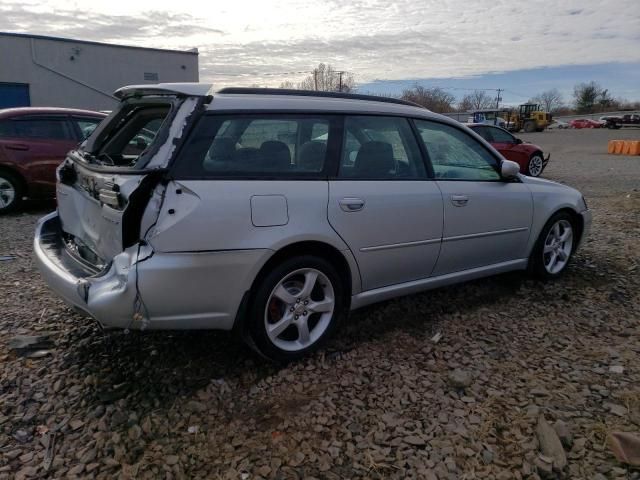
(340, 81)
(498, 98)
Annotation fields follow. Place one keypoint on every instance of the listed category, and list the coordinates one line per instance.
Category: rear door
(249, 181)
(39, 143)
(383, 204)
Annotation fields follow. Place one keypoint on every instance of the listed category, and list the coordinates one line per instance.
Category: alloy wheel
(535, 166)
(558, 246)
(7, 193)
(299, 309)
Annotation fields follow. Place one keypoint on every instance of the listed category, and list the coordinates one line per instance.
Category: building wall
(63, 73)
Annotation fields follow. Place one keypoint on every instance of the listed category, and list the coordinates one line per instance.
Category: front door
(487, 220)
(383, 205)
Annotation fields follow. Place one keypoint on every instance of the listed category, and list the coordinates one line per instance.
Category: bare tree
(435, 98)
(550, 100)
(476, 100)
(325, 78)
(288, 84)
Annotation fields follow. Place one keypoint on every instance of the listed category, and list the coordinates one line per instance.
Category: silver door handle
(351, 204)
(459, 200)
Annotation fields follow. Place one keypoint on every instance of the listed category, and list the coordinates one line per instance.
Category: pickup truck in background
(632, 120)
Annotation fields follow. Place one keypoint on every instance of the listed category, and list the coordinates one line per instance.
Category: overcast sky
(263, 42)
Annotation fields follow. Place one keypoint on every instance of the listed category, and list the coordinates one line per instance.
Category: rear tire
(11, 192)
(296, 306)
(554, 248)
(529, 127)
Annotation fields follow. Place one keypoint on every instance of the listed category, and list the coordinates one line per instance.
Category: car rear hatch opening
(105, 186)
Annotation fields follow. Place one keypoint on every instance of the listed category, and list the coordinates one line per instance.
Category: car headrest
(312, 156)
(275, 155)
(374, 160)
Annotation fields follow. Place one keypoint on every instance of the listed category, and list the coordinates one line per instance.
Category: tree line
(587, 97)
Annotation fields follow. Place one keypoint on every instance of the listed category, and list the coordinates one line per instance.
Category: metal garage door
(14, 95)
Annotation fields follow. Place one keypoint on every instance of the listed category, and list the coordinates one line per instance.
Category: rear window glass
(256, 146)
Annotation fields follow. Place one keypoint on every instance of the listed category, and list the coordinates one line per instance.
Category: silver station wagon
(275, 212)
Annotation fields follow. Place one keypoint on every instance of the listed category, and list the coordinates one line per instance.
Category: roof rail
(313, 93)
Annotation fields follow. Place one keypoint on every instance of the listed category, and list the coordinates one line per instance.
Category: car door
(39, 144)
(508, 146)
(383, 204)
(487, 220)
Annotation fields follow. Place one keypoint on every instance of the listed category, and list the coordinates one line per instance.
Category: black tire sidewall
(536, 260)
(17, 186)
(260, 296)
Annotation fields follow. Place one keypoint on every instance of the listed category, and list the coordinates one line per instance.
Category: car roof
(20, 111)
(249, 102)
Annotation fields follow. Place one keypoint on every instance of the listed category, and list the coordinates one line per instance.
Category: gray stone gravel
(381, 401)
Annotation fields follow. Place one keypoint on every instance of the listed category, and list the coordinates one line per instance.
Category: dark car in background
(530, 157)
(33, 142)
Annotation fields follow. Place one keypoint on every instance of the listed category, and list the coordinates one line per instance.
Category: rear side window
(256, 146)
(456, 155)
(50, 128)
(380, 148)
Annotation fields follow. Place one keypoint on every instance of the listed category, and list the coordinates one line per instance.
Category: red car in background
(530, 157)
(585, 123)
(33, 142)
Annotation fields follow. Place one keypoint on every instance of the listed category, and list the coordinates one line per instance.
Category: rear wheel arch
(315, 248)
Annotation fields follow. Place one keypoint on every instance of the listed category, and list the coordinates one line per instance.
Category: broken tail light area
(106, 292)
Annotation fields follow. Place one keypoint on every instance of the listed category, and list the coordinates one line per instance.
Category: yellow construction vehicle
(529, 118)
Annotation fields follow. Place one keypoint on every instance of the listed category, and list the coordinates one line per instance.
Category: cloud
(265, 42)
(89, 25)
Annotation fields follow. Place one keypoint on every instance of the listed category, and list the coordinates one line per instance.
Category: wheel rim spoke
(548, 249)
(310, 279)
(284, 295)
(322, 306)
(276, 329)
(303, 331)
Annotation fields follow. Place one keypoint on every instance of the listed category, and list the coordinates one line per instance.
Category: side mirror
(509, 169)
(518, 141)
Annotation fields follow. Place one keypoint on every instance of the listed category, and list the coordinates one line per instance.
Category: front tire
(295, 308)
(535, 165)
(11, 192)
(554, 247)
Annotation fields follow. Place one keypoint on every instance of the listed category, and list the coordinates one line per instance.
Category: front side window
(455, 155)
(501, 136)
(380, 148)
(254, 145)
(50, 128)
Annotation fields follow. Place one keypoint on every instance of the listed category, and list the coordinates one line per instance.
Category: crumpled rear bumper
(107, 295)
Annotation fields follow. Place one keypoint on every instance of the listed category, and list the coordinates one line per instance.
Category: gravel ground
(520, 364)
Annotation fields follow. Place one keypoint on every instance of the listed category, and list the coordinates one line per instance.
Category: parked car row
(279, 213)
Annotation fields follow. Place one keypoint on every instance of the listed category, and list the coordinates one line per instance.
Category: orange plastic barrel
(634, 147)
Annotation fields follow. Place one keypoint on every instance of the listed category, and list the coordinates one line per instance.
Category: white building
(59, 72)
